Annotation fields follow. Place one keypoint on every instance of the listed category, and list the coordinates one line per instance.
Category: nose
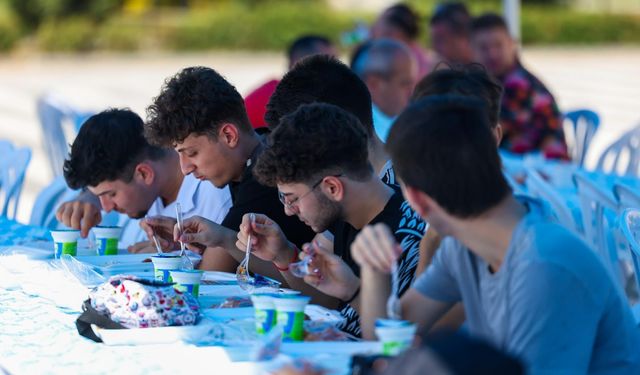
(186, 165)
(289, 210)
(106, 203)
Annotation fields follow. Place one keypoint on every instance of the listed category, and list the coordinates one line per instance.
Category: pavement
(605, 79)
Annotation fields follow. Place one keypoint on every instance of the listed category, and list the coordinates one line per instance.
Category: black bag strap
(91, 316)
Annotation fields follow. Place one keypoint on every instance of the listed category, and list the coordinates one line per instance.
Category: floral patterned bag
(132, 302)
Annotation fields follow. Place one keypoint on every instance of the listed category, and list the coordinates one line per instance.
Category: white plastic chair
(43, 213)
(579, 128)
(537, 186)
(630, 225)
(13, 169)
(59, 122)
(623, 156)
(626, 197)
(598, 208)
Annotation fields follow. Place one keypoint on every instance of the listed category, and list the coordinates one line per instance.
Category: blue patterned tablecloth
(14, 233)
(38, 333)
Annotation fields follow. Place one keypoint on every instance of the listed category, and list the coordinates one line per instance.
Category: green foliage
(70, 35)
(121, 34)
(263, 26)
(34, 12)
(10, 30)
(540, 26)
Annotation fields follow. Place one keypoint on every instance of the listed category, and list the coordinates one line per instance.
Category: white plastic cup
(65, 241)
(395, 335)
(163, 264)
(107, 239)
(188, 281)
(265, 312)
(290, 315)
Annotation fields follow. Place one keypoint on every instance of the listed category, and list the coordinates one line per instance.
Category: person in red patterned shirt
(529, 115)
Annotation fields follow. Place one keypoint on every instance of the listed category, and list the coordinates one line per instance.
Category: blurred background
(93, 54)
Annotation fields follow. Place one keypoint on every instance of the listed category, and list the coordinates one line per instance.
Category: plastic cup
(163, 264)
(290, 315)
(396, 335)
(107, 239)
(65, 241)
(265, 312)
(188, 281)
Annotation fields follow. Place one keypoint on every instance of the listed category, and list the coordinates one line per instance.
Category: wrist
(285, 257)
(351, 293)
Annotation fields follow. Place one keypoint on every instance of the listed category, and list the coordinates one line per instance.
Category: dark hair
(442, 145)
(108, 147)
(196, 100)
(314, 141)
(489, 21)
(465, 80)
(455, 15)
(404, 18)
(306, 45)
(323, 79)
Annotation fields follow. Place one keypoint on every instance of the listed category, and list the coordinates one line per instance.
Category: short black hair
(455, 15)
(108, 147)
(196, 100)
(465, 80)
(306, 45)
(489, 21)
(443, 146)
(314, 141)
(323, 79)
(404, 18)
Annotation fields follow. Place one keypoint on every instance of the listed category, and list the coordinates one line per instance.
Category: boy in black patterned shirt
(317, 157)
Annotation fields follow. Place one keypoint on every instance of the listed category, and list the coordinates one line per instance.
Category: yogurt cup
(395, 335)
(65, 241)
(290, 315)
(265, 312)
(163, 264)
(188, 281)
(107, 239)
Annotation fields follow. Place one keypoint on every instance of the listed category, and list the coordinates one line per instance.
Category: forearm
(375, 289)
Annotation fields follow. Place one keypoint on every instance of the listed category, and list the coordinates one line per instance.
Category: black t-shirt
(249, 195)
(408, 229)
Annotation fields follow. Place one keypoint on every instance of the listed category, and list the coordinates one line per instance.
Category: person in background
(529, 115)
(325, 79)
(389, 70)
(122, 172)
(450, 32)
(402, 23)
(304, 46)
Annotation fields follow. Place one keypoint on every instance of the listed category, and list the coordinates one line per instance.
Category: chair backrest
(43, 213)
(579, 128)
(626, 196)
(630, 226)
(54, 114)
(13, 169)
(622, 157)
(541, 188)
(599, 210)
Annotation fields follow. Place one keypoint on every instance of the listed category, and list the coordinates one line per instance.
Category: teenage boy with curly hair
(317, 157)
(203, 118)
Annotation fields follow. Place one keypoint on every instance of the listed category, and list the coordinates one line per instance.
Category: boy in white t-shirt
(122, 172)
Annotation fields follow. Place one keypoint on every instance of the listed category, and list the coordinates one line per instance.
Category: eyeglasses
(292, 203)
